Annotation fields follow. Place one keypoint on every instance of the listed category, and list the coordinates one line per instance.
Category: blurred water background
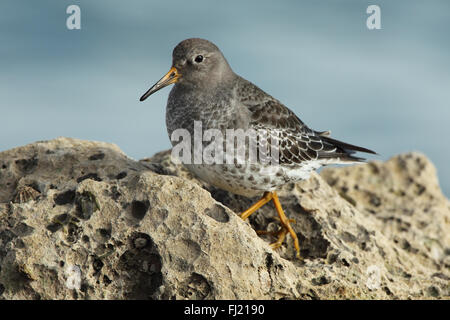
(388, 89)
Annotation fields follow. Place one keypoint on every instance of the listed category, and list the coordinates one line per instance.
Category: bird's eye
(199, 58)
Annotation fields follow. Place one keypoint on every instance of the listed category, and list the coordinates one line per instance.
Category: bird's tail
(344, 151)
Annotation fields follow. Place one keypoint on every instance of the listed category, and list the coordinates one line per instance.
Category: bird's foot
(281, 234)
(285, 222)
(275, 233)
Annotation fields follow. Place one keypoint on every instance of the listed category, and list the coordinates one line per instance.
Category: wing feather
(297, 142)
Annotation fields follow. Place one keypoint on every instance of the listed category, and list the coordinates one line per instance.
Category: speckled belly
(250, 179)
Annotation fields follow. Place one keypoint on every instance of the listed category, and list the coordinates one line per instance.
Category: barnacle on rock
(25, 194)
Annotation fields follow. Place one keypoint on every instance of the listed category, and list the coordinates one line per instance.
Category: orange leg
(281, 234)
(284, 220)
(266, 198)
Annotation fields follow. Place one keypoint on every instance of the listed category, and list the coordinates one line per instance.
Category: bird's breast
(210, 110)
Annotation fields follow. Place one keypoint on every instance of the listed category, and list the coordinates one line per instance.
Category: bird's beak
(171, 77)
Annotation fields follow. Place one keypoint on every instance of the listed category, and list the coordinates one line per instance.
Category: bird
(207, 91)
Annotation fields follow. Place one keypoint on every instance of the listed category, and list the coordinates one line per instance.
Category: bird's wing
(297, 142)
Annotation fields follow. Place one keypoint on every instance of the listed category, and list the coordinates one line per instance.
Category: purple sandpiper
(207, 90)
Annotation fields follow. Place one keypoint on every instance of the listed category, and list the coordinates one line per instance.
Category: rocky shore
(81, 220)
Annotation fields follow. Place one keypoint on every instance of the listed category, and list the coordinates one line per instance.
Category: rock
(81, 220)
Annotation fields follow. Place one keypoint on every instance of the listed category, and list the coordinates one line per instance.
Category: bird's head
(196, 63)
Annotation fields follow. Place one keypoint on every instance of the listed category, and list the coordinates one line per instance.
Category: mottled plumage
(207, 90)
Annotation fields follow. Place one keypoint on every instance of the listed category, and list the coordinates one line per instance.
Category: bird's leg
(285, 222)
(281, 234)
(265, 198)
(287, 226)
(276, 233)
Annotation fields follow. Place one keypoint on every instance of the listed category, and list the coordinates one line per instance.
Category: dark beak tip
(146, 95)
(169, 78)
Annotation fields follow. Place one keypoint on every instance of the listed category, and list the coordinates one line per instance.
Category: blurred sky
(387, 90)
